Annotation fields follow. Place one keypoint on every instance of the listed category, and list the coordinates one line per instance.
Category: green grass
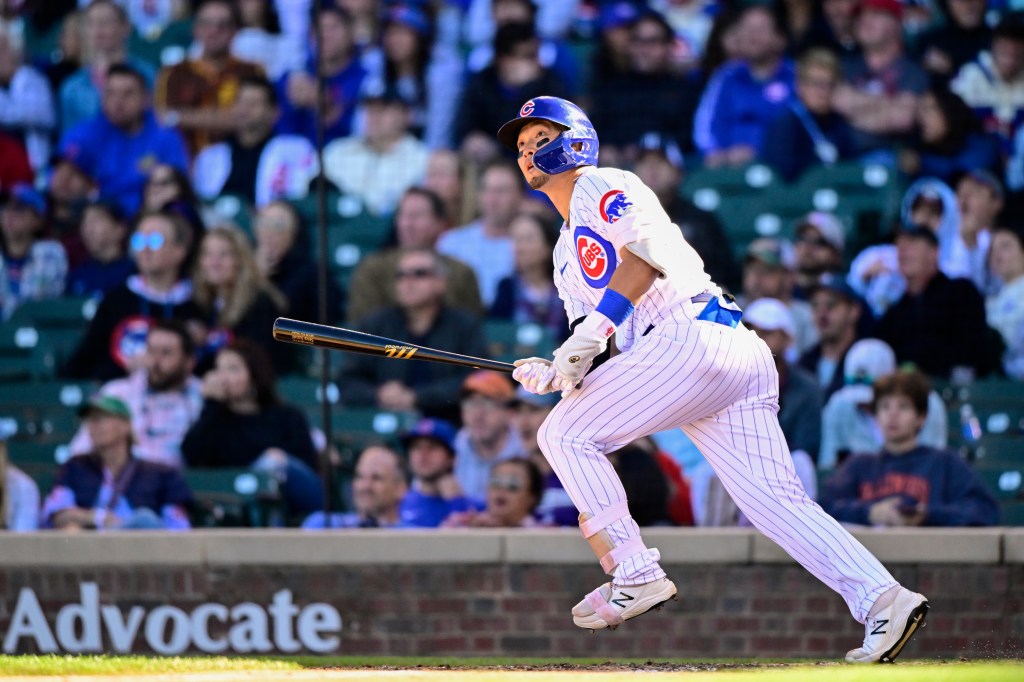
(438, 669)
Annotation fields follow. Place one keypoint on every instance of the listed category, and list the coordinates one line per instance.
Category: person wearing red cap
(879, 96)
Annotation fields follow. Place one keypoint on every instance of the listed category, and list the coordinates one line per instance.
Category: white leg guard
(642, 565)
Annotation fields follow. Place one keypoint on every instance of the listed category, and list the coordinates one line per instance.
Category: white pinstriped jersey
(609, 209)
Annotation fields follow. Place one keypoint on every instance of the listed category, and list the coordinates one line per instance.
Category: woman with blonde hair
(237, 300)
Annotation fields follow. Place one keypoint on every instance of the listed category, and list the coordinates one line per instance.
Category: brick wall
(434, 607)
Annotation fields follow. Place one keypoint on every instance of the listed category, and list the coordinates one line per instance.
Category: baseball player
(682, 360)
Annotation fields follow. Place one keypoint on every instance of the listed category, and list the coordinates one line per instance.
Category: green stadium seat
(358, 426)
(65, 312)
(234, 497)
(995, 452)
(509, 341)
(1011, 513)
(231, 208)
(1007, 484)
(29, 453)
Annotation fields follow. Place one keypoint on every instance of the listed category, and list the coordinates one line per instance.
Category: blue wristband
(615, 307)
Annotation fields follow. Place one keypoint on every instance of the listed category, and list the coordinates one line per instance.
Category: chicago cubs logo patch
(596, 256)
(527, 109)
(614, 204)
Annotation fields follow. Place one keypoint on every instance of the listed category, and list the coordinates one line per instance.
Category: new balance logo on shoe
(878, 627)
(621, 600)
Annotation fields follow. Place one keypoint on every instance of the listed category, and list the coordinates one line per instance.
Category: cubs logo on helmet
(614, 205)
(527, 108)
(596, 256)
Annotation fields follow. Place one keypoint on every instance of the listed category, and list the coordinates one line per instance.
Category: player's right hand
(539, 376)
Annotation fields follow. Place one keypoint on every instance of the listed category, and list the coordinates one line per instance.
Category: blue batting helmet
(558, 155)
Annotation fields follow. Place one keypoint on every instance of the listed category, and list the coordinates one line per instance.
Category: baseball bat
(339, 338)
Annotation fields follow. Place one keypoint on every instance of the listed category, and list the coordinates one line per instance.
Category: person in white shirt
(486, 243)
(379, 165)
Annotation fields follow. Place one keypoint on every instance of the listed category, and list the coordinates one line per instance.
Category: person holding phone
(907, 484)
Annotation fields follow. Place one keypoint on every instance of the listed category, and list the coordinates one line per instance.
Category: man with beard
(163, 396)
(435, 492)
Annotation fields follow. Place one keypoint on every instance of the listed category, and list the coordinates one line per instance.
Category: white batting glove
(590, 338)
(536, 375)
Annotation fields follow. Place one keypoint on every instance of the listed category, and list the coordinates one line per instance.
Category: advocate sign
(211, 627)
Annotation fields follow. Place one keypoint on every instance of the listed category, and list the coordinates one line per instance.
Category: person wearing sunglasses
(420, 316)
(114, 343)
(513, 493)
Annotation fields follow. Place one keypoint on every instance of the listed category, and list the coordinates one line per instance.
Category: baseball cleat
(890, 630)
(611, 605)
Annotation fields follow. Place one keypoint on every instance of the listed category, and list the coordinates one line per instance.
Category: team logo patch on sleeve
(614, 205)
(596, 256)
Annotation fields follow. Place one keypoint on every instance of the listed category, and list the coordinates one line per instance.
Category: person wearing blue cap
(837, 311)
(31, 268)
(435, 491)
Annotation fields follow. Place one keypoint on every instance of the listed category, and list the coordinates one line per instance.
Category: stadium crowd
(125, 125)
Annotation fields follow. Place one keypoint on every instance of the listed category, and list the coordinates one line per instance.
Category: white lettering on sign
(79, 627)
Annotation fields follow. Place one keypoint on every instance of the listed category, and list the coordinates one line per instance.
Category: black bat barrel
(339, 338)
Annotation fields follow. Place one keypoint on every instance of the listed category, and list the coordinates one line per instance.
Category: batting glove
(538, 376)
(590, 338)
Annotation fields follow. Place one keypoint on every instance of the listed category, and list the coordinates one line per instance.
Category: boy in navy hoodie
(907, 484)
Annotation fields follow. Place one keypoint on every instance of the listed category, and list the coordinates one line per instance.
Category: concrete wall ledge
(413, 547)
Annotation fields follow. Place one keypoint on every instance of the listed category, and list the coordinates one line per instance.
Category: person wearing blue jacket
(907, 484)
(435, 492)
(124, 143)
(745, 96)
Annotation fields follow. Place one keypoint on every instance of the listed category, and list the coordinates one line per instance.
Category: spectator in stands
(379, 486)
(105, 234)
(114, 341)
(243, 423)
(106, 44)
(949, 140)
(120, 147)
(163, 396)
(252, 162)
(979, 194)
(419, 222)
(529, 411)
(366, 21)
(800, 399)
(26, 103)
(944, 50)
(70, 190)
(818, 244)
(993, 84)
(1005, 309)
(343, 73)
(809, 132)
(66, 58)
(260, 40)
(427, 74)
(879, 95)
(529, 296)
(769, 271)
(421, 317)
(670, 99)
(19, 497)
(485, 244)
(611, 57)
(447, 177)
(234, 298)
(197, 95)
(907, 484)
(283, 257)
(495, 94)
(435, 492)
(32, 267)
(514, 490)
(15, 168)
(848, 424)
(488, 434)
(659, 165)
(840, 17)
(934, 307)
(167, 186)
(379, 165)
(645, 484)
(744, 97)
(109, 488)
(837, 315)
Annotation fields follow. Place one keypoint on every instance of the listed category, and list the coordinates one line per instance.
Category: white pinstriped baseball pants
(720, 386)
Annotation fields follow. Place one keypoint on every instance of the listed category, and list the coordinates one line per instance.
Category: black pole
(326, 469)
